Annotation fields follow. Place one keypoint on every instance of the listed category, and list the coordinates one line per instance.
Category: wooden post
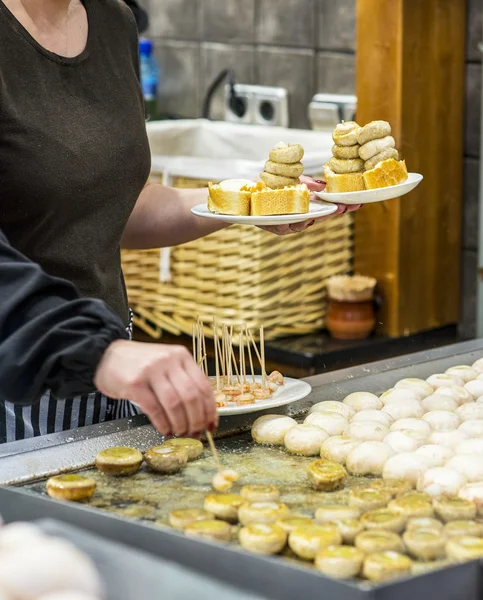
(410, 72)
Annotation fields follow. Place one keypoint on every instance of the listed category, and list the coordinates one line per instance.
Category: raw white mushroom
(332, 423)
(333, 406)
(399, 395)
(366, 431)
(337, 448)
(442, 379)
(473, 446)
(474, 493)
(442, 420)
(271, 429)
(472, 428)
(368, 458)
(407, 466)
(363, 401)
(466, 372)
(374, 415)
(438, 455)
(470, 411)
(450, 439)
(19, 534)
(478, 365)
(306, 440)
(47, 565)
(456, 392)
(418, 425)
(439, 402)
(404, 440)
(421, 387)
(475, 388)
(410, 409)
(441, 481)
(470, 466)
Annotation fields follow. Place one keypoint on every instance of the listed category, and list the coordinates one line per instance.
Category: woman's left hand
(314, 186)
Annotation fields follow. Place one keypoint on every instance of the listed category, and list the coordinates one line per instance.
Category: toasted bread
(284, 201)
(386, 173)
(230, 197)
(347, 182)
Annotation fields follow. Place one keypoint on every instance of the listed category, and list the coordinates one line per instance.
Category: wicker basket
(240, 273)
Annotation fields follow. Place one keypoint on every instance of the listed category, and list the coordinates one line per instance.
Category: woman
(50, 338)
(74, 160)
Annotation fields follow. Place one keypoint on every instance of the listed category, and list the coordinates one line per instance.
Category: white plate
(293, 390)
(377, 195)
(316, 210)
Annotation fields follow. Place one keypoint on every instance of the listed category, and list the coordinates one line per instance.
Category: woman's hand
(164, 381)
(314, 186)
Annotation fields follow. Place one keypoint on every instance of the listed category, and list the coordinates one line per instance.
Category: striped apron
(50, 415)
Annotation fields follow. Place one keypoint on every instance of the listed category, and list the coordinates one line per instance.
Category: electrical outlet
(264, 105)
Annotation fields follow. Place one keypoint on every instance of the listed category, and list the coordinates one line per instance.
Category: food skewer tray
(268, 577)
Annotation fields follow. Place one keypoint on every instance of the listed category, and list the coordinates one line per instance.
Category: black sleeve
(141, 16)
(50, 337)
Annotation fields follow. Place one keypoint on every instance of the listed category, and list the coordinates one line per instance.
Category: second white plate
(316, 210)
(377, 195)
(293, 390)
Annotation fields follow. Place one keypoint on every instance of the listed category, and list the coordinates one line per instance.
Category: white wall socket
(264, 105)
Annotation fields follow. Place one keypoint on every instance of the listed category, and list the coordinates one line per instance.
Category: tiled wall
(471, 167)
(306, 46)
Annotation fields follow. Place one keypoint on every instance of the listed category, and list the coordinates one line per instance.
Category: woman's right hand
(164, 381)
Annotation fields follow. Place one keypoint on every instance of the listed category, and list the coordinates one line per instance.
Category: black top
(49, 336)
(141, 16)
(74, 154)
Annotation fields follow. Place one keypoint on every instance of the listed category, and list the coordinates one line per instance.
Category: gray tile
(178, 19)
(179, 79)
(474, 29)
(215, 58)
(473, 110)
(228, 21)
(469, 266)
(293, 70)
(470, 203)
(336, 24)
(335, 73)
(286, 23)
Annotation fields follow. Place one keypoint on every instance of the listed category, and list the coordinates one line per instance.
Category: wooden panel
(410, 71)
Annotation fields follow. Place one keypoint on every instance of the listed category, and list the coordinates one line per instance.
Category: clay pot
(351, 320)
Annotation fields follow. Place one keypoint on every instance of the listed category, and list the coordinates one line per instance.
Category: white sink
(202, 149)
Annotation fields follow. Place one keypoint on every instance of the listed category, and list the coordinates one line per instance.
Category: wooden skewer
(262, 350)
(194, 342)
(256, 349)
(228, 353)
(234, 364)
(250, 355)
(204, 349)
(217, 366)
(214, 451)
(242, 359)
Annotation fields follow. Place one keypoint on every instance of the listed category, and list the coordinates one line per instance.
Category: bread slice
(284, 201)
(228, 197)
(386, 173)
(346, 182)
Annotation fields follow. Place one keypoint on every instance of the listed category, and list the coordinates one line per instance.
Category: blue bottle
(149, 77)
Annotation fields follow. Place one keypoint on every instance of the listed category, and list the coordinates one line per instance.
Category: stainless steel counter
(269, 577)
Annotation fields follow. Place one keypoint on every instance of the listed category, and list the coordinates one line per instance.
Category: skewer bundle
(231, 382)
